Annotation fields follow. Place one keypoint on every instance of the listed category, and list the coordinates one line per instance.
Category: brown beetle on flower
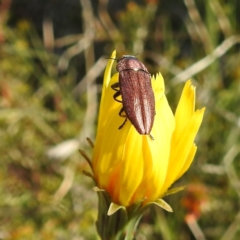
(125, 162)
(131, 170)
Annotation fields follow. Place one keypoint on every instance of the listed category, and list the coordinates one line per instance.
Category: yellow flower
(131, 167)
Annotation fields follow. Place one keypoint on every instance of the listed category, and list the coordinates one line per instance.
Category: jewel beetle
(138, 99)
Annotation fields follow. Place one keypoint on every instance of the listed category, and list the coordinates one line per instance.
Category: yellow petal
(132, 167)
(108, 104)
(109, 147)
(185, 108)
(188, 161)
(181, 146)
(163, 128)
(158, 84)
(106, 82)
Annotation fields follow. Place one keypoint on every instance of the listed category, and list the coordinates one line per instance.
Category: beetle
(138, 99)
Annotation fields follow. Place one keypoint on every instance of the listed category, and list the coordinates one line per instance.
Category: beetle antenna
(112, 58)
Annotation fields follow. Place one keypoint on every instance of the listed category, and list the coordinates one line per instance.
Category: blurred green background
(52, 58)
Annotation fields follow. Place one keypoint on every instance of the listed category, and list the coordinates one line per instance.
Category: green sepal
(90, 142)
(97, 189)
(88, 174)
(113, 208)
(161, 203)
(84, 155)
(174, 190)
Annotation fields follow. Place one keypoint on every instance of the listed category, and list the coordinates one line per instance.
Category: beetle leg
(117, 94)
(115, 86)
(122, 115)
(151, 136)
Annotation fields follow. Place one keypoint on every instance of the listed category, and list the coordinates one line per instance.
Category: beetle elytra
(137, 94)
